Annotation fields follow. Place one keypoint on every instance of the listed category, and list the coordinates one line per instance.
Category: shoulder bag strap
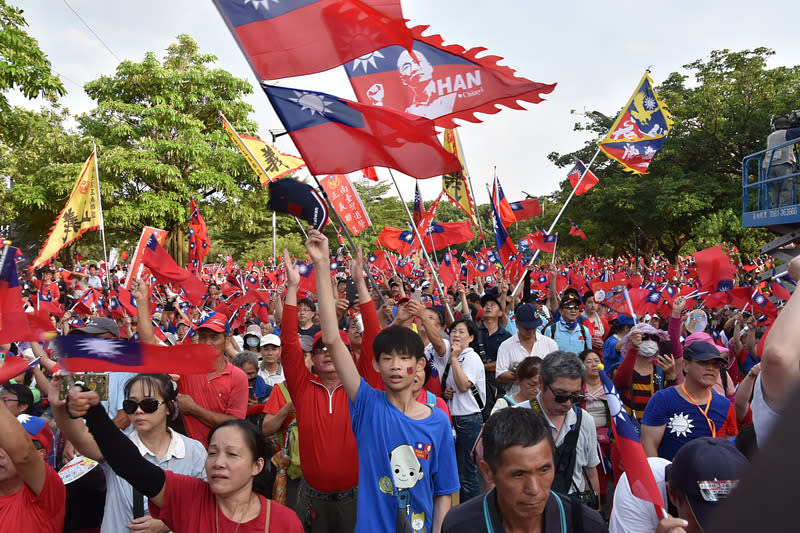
(269, 512)
(138, 503)
(444, 376)
(566, 455)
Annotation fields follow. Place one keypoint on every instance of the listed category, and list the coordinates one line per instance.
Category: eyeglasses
(148, 405)
(571, 307)
(8, 400)
(564, 398)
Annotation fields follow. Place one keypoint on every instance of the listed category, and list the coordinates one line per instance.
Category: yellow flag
(81, 214)
(455, 185)
(266, 161)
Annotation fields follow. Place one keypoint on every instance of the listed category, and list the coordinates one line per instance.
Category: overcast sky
(595, 51)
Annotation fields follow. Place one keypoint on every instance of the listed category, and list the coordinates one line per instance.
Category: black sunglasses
(571, 307)
(148, 405)
(564, 398)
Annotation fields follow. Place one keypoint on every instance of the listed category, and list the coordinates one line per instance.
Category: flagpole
(274, 240)
(347, 235)
(558, 217)
(254, 158)
(422, 247)
(469, 180)
(100, 207)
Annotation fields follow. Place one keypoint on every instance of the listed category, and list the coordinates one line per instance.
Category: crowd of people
(373, 401)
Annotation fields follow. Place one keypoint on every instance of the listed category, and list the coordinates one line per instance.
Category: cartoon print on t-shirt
(680, 424)
(406, 471)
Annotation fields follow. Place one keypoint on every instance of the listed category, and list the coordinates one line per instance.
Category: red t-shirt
(328, 451)
(24, 511)
(226, 392)
(190, 506)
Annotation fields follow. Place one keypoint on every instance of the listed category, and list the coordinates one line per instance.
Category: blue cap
(625, 320)
(706, 470)
(528, 316)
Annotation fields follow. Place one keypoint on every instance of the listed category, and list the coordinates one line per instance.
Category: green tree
(23, 65)
(721, 117)
(160, 143)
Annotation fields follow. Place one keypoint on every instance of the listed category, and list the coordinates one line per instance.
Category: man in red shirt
(207, 400)
(328, 452)
(32, 495)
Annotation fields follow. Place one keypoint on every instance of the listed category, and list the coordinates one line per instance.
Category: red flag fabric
(308, 278)
(589, 179)
(166, 270)
(199, 243)
(12, 367)
(337, 136)
(298, 37)
(345, 200)
(137, 269)
(395, 239)
(525, 209)
(544, 242)
(443, 234)
(501, 204)
(84, 353)
(369, 173)
(779, 291)
(714, 269)
(442, 82)
(378, 260)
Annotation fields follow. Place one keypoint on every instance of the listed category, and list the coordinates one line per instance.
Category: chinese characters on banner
(346, 201)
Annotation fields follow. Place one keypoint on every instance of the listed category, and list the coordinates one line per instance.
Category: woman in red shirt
(228, 502)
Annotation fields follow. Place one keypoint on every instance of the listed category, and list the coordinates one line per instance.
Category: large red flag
(443, 234)
(395, 239)
(441, 82)
(298, 37)
(714, 269)
(589, 179)
(525, 209)
(337, 136)
(166, 270)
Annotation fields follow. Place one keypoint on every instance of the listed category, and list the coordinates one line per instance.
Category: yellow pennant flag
(455, 185)
(81, 214)
(266, 161)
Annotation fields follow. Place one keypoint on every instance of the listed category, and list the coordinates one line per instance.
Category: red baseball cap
(216, 321)
(318, 339)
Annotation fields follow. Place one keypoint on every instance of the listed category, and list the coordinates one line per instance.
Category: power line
(93, 32)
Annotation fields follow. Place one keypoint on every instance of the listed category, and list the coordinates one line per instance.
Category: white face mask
(648, 349)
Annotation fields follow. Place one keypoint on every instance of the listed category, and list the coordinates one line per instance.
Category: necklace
(711, 425)
(239, 523)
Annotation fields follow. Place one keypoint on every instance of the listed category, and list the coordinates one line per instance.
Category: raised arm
(74, 430)
(143, 321)
(369, 319)
(780, 365)
(317, 246)
(18, 447)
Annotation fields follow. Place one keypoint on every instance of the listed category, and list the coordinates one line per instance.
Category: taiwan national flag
(505, 246)
(443, 234)
(501, 204)
(395, 239)
(779, 290)
(84, 353)
(543, 241)
(640, 477)
(525, 209)
(589, 179)
(378, 260)
(337, 136)
(297, 37)
(308, 279)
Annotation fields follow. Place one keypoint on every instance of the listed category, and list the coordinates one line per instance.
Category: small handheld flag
(296, 198)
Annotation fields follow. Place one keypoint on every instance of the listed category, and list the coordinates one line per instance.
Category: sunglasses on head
(564, 398)
(148, 405)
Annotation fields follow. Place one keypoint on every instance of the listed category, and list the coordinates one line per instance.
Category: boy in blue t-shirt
(407, 462)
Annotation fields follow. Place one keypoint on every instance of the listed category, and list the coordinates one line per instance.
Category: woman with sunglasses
(233, 499)
(149, 405)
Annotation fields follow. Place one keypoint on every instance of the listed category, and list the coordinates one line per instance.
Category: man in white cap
(271, 370)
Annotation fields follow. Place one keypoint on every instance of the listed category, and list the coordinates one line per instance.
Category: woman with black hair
(464, 384)
(228, 502)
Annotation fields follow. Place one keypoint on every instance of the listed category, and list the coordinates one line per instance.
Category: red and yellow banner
(81, 214)
(346, 202)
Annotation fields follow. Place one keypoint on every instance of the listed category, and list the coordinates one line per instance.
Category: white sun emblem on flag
(105, 348)
(313, 102)
(680, 425)
(367, 59)
(650, 103)
(260, 3)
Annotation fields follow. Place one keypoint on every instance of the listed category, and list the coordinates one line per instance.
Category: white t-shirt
(438, 362)
(512, 351)
(632, 514)
(463, 403)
